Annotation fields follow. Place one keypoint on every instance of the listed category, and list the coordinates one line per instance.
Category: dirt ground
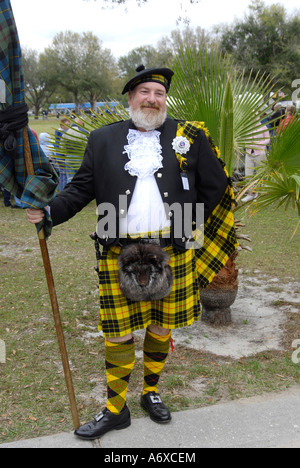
(259, 314)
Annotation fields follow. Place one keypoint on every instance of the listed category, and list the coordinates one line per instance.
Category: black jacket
(102, 176)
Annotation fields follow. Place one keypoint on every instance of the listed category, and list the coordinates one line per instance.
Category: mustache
(149, 106)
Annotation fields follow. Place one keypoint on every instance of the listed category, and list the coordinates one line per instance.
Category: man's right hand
(35, 216)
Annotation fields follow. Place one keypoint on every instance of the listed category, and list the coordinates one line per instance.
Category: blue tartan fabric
(33, 191)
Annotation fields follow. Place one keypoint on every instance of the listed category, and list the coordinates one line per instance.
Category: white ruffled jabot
(144, 151)
(146, 212)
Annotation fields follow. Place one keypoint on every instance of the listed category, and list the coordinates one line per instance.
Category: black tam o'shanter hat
(145, 75)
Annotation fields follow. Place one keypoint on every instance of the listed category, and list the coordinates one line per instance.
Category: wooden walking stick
(52, 294)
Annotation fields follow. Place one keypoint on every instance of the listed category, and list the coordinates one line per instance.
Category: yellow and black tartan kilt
(120, 316)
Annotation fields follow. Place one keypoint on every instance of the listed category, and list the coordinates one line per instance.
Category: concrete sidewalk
(268, 421)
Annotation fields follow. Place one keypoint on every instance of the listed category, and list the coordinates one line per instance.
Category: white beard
(147, 120)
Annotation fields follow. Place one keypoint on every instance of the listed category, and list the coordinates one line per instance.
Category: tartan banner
(33, 191)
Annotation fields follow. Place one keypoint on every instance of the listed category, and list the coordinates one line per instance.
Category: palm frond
(198, 93)
(73, 142)
(283, 157)
(285, 149)
(277, 180)
(198, 87)
(280, 190)
(226, 128)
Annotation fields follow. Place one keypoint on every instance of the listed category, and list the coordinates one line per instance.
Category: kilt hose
(119, 362)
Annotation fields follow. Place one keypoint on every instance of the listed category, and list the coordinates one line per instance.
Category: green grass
(33, 397)
(275, 252)
(40, 125)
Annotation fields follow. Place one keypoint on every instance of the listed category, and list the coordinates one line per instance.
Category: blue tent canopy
(87, 105)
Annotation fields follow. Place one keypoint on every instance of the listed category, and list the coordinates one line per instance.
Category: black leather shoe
(158, 412)
(104, 422)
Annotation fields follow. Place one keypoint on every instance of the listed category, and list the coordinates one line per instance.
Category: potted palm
(208, 88)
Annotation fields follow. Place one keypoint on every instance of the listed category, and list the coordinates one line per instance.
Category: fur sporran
(144, 273)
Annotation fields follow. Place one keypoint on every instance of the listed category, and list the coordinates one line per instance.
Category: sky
(38, 21)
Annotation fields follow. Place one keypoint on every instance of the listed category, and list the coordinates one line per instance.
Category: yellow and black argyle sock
(119, 362)
(156, 349)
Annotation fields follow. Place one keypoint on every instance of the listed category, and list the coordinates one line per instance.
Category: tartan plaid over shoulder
(33, 191)
(219, 232)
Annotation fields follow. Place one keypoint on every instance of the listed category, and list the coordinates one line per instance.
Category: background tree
(162, 55)
(39, 88)
(183, 18)
(151, 57)
(79, 64)
(99, 73)
(119, 2)
(266, 40)
(123, 2)
(178, 38)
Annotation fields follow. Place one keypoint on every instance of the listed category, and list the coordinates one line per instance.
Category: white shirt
(146, 212)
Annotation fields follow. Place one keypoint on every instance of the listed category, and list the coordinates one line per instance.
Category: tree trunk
(36, 111)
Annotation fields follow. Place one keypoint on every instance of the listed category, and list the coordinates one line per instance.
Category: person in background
(290, 116)
(275, 118)
(59, 158)
(255, 156)
(6, 196)
(45, 144)
(72, 140)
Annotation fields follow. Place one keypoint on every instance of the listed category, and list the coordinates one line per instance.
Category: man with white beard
(163, 169)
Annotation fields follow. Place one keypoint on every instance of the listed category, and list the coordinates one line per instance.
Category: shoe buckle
(155, 399)
(99, 416)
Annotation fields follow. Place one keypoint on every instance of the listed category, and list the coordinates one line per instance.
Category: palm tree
(207, 87)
